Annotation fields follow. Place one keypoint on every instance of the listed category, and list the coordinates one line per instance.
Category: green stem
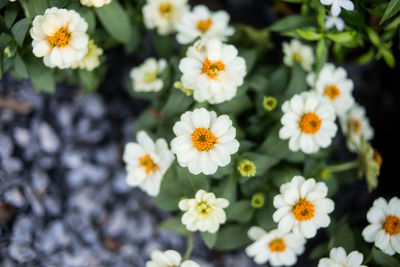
(189, 246)
(343, 166)
(25, 7)
(369, 258)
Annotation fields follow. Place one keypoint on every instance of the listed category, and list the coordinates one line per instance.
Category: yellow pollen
(332, 91)
(355, 126)
(212, 68)
(60, 38)
(297, 57)
(148, 163)
(392, 225)
(166, 9)
(303, 210)
(310, 123)
(378, 157)
(203, 208)
(149, 77)
(277, 245)
(204, 24)
(203, 139)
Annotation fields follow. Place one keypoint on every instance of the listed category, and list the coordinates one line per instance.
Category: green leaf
(36, 7)
(274, 146)
(237, 105)
(164, 45)
(383, 259)
(342, 37)
(342, 237)
(170, 193)
(41, 76)
(388, 56)
(319, 251)
(373, 36)
(391, 10)
(292, 22)
(262, 162)
(297, 83)
(232, 237)
(240, 211)
(227, 189)
(19, 66)
(263, 216)
(209, 239)
(366, 57)
(190, 183)
(177, 103)
(146, 121)
(89, 80)
(89, 17)
(250, 57)
(309, 35)
(10, 14)
(322, 54)
(174, 224)
(20, 29)
(116, 21)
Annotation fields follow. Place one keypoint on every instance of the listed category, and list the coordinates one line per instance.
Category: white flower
(169, 258)
(95, 3)
(302, 207)
(205, 212)
(213, 70)
(354, 125)
(308, 122)
(92, 58)
(146, 76)
(201, 22)
(337, 5)
(204, 141)
(339, 258)
(332, 21)
(384, 228)
(333, 84)
(280, 249)
(146, 163)
(59, 36)
(163, 15)
(296, 51)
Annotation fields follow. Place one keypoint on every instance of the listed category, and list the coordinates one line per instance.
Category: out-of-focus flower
(168, 258)
(95, 3)
(247, 168)
(92, 58)
(295, 51)
(338, 257)
(146, 77)
(337, 5)
(332, 21)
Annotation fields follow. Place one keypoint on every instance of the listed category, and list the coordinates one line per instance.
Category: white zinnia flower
(213, 70)
(337, 5)
(95, 3)
(354, 125)
(384, 228)
(201, 22)
(205, 212)
(296, 51)
(333, 84)
(146, 77)
(332, 21)
(163, 15)
(339, 258)
(302, 207)
(280, 249)
(59, 36)
(168, 258)
(308, 122)
(92, 58)
(146, 163)
(204, 141)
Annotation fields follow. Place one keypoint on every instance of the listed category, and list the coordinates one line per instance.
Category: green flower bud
(7, 51)
(325, 174)
(269, 103)
(257, 201)
(179, 85)
(247, 168)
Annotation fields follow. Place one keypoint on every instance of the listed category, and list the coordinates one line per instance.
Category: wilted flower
(92, 58)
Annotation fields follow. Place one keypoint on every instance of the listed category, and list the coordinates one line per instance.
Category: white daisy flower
(163, 15)
(146, 77)
(168, 258)
(204, 141)
(339, 258)
(308, 122)
(201, 22)
(205, 212)
(302, 207)
(59, 36)
(384, 228)
(333, 84)
(337, 5)
(332, 21)
(296, 51)
(146, 163)
(95, 3)
(92, 58)
(354, 125)
(213, 70)
(275, 247)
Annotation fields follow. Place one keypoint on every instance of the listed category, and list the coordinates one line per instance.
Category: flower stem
(369, 258)
(343, 166)
(25, 8)
(189, 246)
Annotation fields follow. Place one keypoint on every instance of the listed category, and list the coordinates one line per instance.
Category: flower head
(59, 36)
(275, 247)
(295, 51)
(95, 3)
(169, 258)
(146, 77)
(204, 212)
(213, 70)
(337, 5)
(302, 207)
(92, 58)
(204, 141)
(384, 228)
(269, 103)
(338, 257)
(247, 168)
(258, 200)
(146, 163)
(332, 21)
(308, 122)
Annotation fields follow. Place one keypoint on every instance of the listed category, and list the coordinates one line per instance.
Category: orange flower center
(212, 68)
(310, 123)
(166, 9)
(392, 225)
(303, 210)
(355, 126)
(148, 163)
(60, 38)
(378, 157)
(204, 24)
(277, 245)
(332, 91)
(203, 139)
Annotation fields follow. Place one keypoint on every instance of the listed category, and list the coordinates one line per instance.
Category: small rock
(22, 136)
(12, 165)
(21, 253)
(22, 231)
(93, 106)
(15, 197)
(40, 181)
(48, 139)
(6, 146)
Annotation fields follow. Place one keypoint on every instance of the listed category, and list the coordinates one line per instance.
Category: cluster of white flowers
(146, 77)
(169, 258)
(95, 3)
(333, 20)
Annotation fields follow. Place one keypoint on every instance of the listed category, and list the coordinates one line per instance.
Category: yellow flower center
(277, 245)
(203, 208)
(378, 157)
(332, 91)
(166, 9)
(148, 163)
(149, 77)
(303, 210)
(392, 225)
(204, 24)
(212, 68)
(297, 57)
(310, 123)
(60, 38)
(203, 139)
